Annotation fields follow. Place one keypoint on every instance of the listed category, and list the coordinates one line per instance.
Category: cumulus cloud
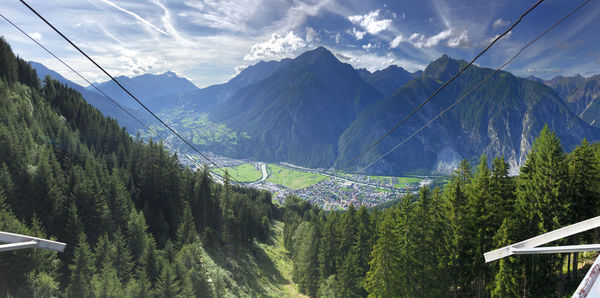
(373, 61)
(276, 47)
(36, 35)
(357, 33)
(450, 37)
(370, 46)
(460, 41)
(370, 22)
(140, 64)
(499, 23)
(238, 69)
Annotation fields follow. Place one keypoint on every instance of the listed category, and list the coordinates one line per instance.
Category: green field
(291, 178)
(242, 173)
(399, 182)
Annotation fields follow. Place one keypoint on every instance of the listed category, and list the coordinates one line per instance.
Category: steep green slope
(500, 118)
(134, 219)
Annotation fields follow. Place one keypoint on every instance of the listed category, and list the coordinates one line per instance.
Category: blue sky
(209, 41)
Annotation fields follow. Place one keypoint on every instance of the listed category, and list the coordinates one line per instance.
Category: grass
(243, 173)
(291, 178)
(261, 270)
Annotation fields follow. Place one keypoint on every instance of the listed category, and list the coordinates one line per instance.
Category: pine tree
(382, 278)
(82, 270)
(122, 258)
(328, 249)
(167, 285)
(186, 232)
(457, 240)
(583, 181)
(542, 205)
(479, 204)
(106, 283)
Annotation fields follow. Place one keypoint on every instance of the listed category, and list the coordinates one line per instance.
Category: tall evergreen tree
(382, 277)
(82, 270)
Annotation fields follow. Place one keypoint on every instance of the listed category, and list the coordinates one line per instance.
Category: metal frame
(17, 241)
(530, 246)
(589, 285)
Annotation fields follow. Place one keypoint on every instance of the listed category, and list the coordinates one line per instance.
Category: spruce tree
(186, 232)
(382, 277)
(82, 270)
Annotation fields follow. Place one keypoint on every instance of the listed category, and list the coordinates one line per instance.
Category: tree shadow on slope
(257, 269)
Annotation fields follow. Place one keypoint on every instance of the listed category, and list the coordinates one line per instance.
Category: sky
(210, 41)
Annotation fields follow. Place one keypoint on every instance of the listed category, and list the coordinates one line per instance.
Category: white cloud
(276, 47)
(136, 16)
(372, 61)
(370, 46)
(139, 65)
(487, 42)
(238, 69)
(370, 22)
(460, 41)
(337, 37)
(396, 41)
(311, 34)
(453, 38)
(357, 33)
(499, 23)
(36, 35)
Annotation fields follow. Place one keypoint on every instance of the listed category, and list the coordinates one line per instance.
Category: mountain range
(316, 111)
(94, 98)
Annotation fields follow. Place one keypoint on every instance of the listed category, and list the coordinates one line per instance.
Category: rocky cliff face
(501, 118)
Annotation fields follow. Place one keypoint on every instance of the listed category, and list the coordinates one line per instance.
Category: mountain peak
(169, 74)
(444, 68)
(319, 54)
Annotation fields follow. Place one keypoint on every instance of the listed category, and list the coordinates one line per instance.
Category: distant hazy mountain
(298, 113)
(564, 86)
(501, 118)
(581, 94)
(146, 87)
(387, 80)
(534, 78)
(99, 101)
(203, 100)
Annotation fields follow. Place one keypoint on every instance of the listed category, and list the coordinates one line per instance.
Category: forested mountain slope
(432, 244)
(136, 222)
(95, 99)
(298, 113)
(500, 118)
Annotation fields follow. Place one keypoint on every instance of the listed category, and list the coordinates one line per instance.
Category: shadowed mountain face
(145, 88)
(298, 113)
(501, 118)
(317, 111)
(98, 101)
(581, 94)
(205, 99)
(388, 80)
